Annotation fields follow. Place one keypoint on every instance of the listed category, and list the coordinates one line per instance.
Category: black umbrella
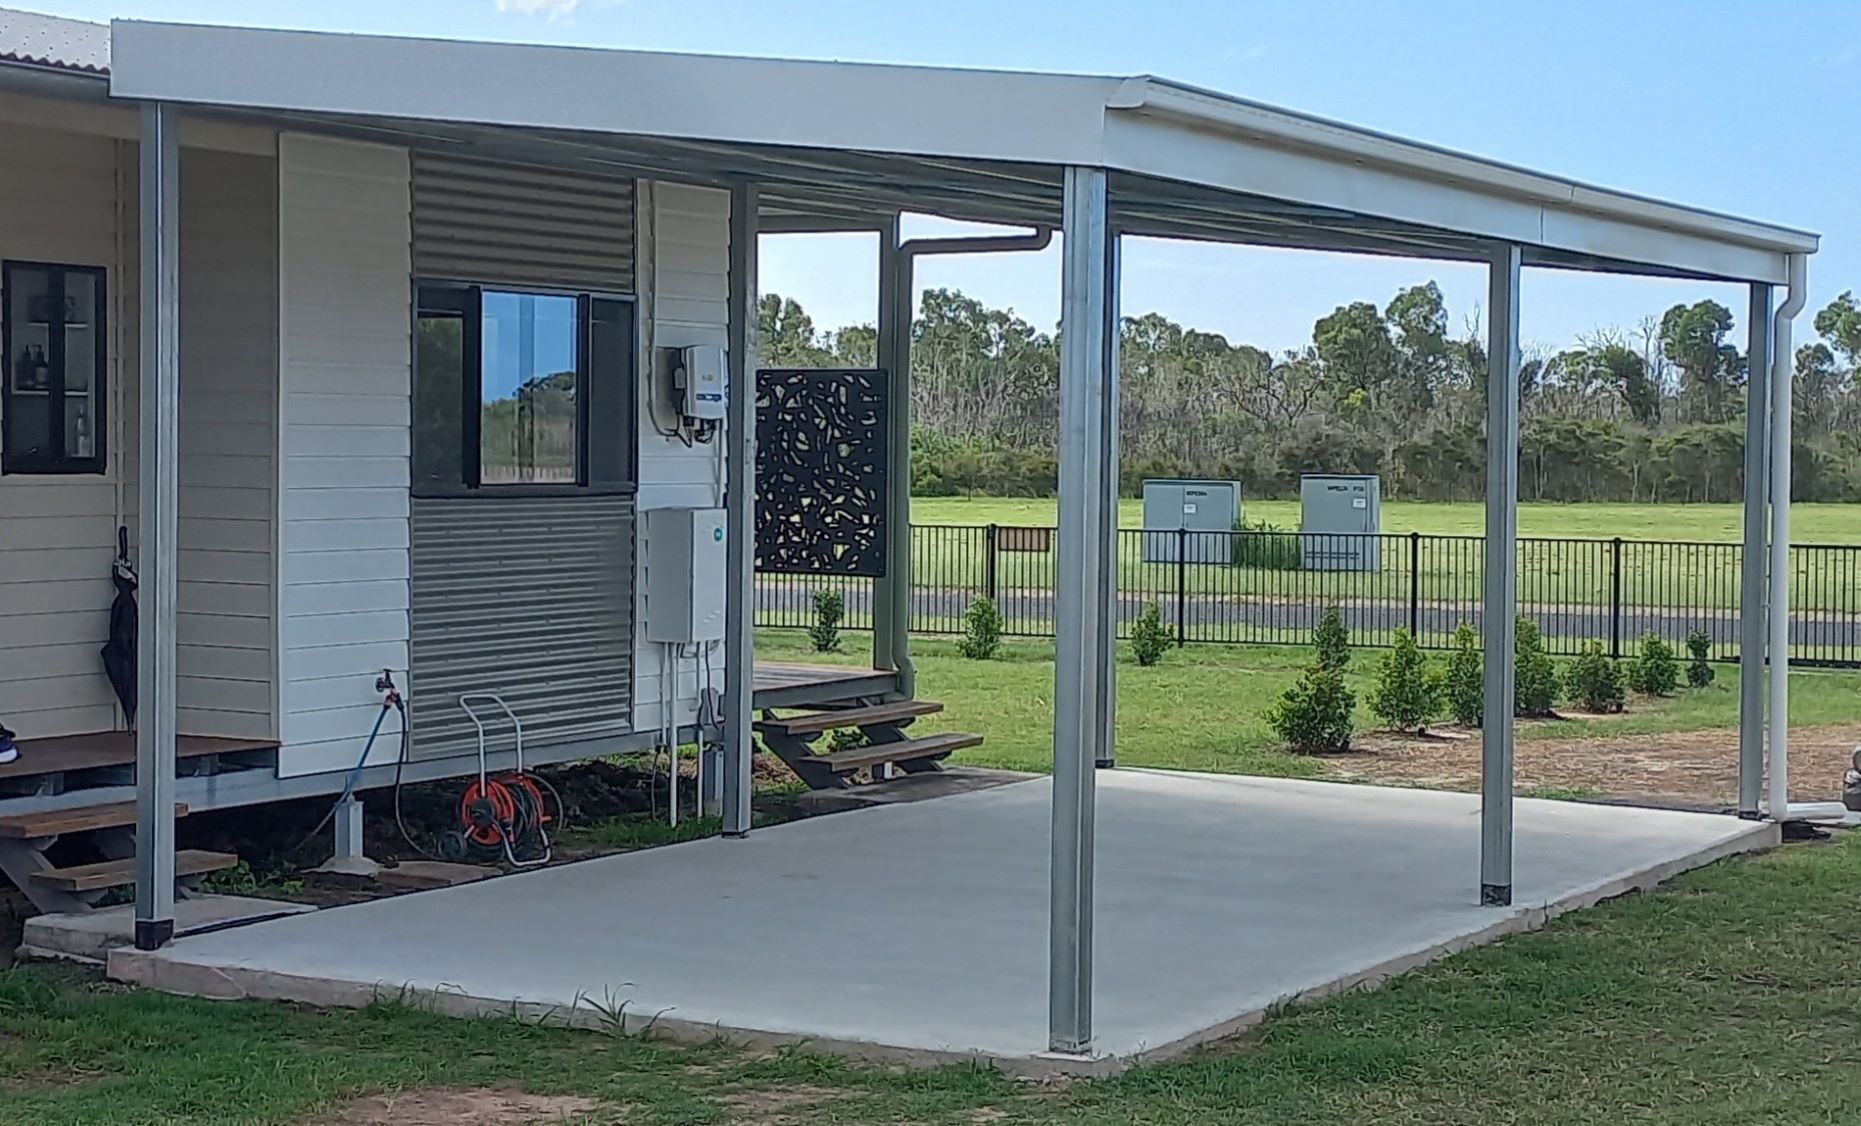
(119, 653)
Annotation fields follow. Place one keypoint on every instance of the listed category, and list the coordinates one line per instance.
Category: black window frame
(466, 300)
(58, 461)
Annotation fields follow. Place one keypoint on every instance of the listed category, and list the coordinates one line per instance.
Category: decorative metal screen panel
(823, 442)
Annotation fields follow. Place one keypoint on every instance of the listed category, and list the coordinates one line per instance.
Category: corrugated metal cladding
(494, 223)
(528, 597)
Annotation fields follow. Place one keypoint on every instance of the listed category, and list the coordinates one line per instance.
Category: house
(383, 351)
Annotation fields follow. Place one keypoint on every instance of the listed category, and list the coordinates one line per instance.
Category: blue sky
(1748, 107)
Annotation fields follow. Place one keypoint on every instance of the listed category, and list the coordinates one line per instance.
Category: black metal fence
(1271, 587)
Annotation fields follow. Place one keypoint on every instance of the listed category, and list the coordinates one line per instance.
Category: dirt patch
(449, 1106)
(777, 1106)
(1694, 768)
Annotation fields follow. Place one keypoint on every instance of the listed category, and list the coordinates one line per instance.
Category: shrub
(1699, 670)
(1313, 716)
(1406, 697)
(1654, 672)
(829, 608)
(1595, 682)
(1266, 546)
(1534, 683)
(1464, 684)
(1332, 641)
(982, 630)
(1149, 639)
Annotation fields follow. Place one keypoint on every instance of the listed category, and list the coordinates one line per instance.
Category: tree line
(1652, 413)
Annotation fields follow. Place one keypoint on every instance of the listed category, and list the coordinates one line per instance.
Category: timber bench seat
(81, 819)
(885, 745)
(106, 874)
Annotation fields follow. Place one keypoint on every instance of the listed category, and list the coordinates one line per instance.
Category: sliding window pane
(527, 414)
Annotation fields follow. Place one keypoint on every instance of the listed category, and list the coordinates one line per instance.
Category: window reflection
(528, 410)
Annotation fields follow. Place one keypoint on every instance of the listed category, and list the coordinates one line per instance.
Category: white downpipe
(1783, 362)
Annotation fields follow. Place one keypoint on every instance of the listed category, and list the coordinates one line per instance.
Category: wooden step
(816, 722)
(116, 873)
(81, 819)
(904, 750)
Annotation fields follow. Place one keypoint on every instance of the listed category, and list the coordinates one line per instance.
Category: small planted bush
(1654, 672)
(1267, 546)
(1313, 717)
(1699, 670)
(1595, 682)
(1150, 639)
(1534, 684)
(1464, 686)
(1406, 697)
(829, 608)
(982, 630)
(1332, 641)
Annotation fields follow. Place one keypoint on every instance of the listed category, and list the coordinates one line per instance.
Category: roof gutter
(1275, 126)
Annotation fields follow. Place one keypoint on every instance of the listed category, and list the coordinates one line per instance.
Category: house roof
(53, 42)
(835, 141)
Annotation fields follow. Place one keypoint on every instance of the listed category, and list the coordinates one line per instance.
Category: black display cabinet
(52, 393)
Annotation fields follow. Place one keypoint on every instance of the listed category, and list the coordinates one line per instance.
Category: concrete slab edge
(237, 983)
(1760, 837)
(153, 970)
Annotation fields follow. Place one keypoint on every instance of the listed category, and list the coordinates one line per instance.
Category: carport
(805, 146)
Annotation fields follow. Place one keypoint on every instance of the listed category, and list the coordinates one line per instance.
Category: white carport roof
(839, 143)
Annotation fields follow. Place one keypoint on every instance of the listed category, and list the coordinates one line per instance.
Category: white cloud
(554, 9)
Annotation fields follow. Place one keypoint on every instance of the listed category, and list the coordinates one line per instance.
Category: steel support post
(1752, 598)
(1107, 650)
(156, 550)
(1087, 373)
(740, 514)
(1500, 608)
(891, 610)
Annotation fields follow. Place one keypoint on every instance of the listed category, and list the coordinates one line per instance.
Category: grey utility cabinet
(1341, 522)
(1176, 509)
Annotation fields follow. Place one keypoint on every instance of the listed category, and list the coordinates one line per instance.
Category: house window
(52, 390)
(522, 390)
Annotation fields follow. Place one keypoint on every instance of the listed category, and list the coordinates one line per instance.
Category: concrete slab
(919, 931)
(90, 937)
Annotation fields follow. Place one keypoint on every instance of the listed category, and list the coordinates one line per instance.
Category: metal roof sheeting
(54, 42)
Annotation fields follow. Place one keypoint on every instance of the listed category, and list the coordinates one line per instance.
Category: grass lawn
(1729, 998)
(1201, 708)
(1809, 523)
(1690, 563)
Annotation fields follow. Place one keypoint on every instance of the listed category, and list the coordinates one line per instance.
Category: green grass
(1729, 997)
(1200, 709)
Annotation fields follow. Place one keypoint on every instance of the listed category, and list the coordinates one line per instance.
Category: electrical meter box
(1341, 522)
(685, 574)
(705, 382)
(1177, 509)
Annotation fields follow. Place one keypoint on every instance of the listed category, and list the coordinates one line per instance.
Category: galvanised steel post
(1087, 373)
(1501, 594)
(1752, 597)
(1109, 573)
(740, 512)
(156, 552)
(891, 603)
